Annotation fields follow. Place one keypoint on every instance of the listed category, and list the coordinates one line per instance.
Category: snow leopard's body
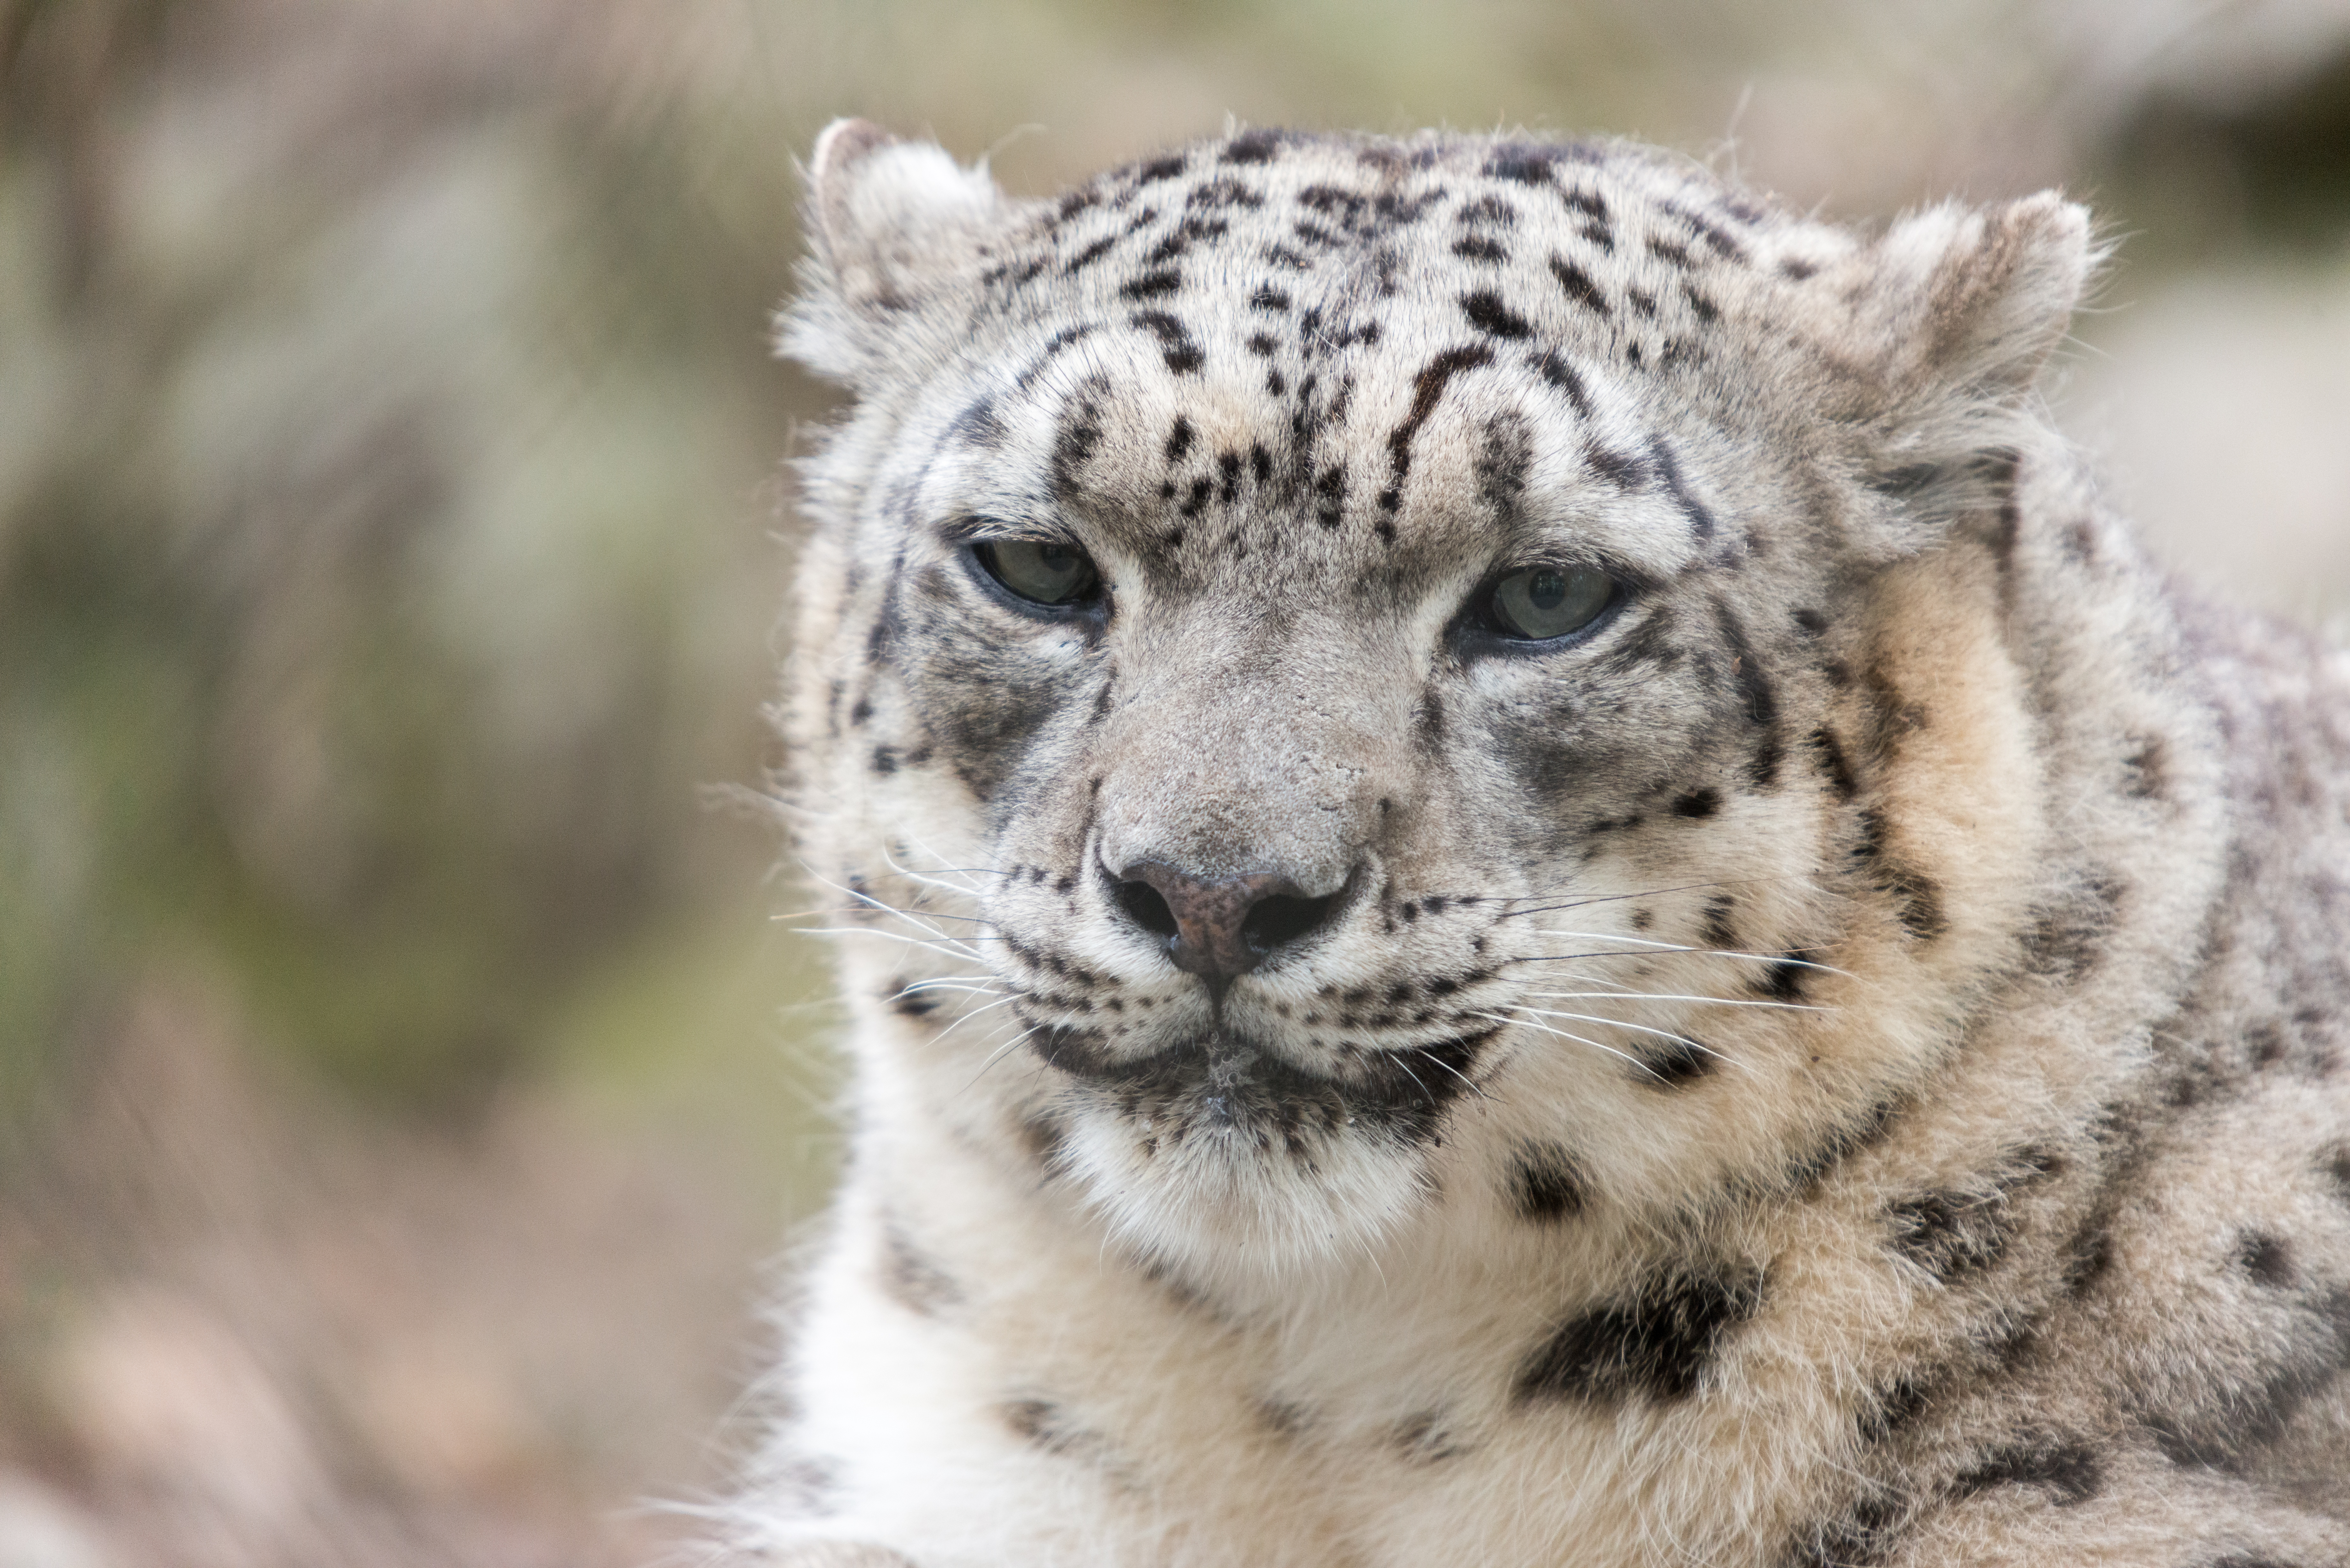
(1835, 1060)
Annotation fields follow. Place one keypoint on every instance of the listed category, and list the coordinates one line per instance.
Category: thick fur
(1841, 1063)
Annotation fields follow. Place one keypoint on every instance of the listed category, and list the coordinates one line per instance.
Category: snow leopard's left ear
(891, 224)
(1937, 332)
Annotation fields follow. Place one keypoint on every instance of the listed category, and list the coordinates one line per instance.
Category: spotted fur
(1838, 1061)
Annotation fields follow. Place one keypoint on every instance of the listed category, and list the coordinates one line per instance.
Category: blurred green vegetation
(388, 444)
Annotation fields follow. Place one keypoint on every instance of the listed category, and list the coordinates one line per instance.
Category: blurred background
(404, 1089)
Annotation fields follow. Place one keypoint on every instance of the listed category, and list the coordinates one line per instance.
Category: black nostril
(1146, 908)
(1279, 919)
(1224, 928)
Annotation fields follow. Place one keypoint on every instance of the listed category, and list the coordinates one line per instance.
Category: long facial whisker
(975, 1012)
(1698, 1046)
(1466, 1082)
(1000, 1052)
(886, 908)
(950, 946)
(1626, 993)
(1624, 1056)
(910, 875)
(1582, 900)
(1785, 958)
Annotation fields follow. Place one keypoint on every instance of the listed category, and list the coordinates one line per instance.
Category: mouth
(1224, 1085)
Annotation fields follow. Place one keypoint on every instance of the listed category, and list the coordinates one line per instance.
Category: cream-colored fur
(1832, 1061)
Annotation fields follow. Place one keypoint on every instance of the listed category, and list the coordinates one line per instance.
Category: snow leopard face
(1349, 668)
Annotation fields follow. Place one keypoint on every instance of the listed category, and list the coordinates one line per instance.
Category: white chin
(1218, 1208)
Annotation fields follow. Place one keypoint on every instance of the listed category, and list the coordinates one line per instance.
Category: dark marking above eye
(1700, 520)
(1488, 314)
(1655, 1344)
(1428, 387)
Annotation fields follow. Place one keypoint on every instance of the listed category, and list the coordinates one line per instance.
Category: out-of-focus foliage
(391, 534)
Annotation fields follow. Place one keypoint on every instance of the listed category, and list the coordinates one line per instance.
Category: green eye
(1044, 574)
(1549, 601)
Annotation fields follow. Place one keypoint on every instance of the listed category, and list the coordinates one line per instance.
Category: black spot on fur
(1784, 981)
(1671, 1064)
(1698, 802)
(1547, 1186)
(1855, 1538)
(2267, 1259)
(1488, 314)
(1578, 285)
(1554, 369)
(1668, 251)
(885, 760)
(1268, 297)
(1175, 343)
(2067, 934)
(1255, 147)
(1159, 168)
(1833, 764)
(1426, 388)
(1700, 520)
(1812, 621)
(2146, 768)
(1423, 1439)
(1478, 247)
(1797, 268)
(1657, 1345)
(1152, 284)
(1619, 469)
(1524, 167)
(1178, 439)
(2069, 1471)
(911, 1279)
(1951, 1234)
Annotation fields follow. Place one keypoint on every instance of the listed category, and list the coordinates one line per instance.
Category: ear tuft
(891, 224)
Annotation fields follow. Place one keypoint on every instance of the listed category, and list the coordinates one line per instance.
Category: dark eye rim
(1481, 624)
(977, 556)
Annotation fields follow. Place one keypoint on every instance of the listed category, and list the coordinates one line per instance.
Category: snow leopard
(1527, 877)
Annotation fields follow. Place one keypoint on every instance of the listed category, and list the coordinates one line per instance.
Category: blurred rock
(163, 1396)
(40, 1529)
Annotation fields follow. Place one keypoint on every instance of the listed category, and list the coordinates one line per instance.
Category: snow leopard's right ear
(891, 224)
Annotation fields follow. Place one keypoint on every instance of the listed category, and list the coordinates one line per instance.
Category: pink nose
(1220, 931)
